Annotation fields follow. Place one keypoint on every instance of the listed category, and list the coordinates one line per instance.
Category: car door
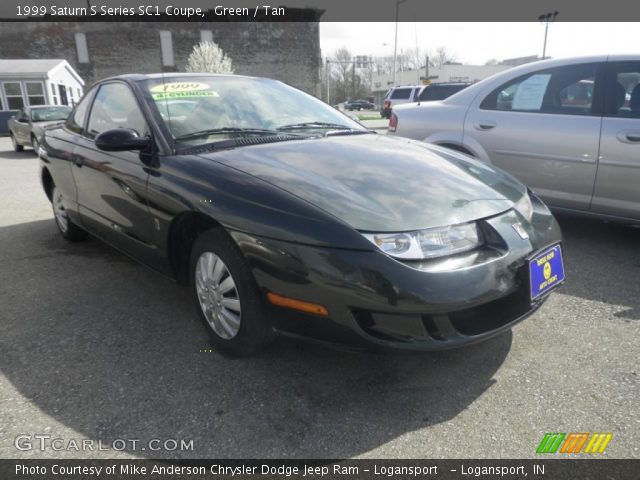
(59, 146)
(21, 127)
(617, 189)
(112, 185)
(544, 128)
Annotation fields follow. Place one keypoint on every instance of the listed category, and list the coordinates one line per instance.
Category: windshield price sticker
(180, 87)
(167, 91)
(170, 95)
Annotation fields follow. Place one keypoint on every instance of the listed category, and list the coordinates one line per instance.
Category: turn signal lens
(299, 305)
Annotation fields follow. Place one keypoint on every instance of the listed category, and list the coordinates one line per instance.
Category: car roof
(137, 77)
(448, 84)
(35, 107)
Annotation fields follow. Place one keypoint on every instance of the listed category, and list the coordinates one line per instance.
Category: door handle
(78, 162)
(484, 125)
(629, 136)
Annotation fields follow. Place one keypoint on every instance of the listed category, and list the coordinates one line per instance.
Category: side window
(115, 106)
(623, 92)
(13, 94)
(76, 120)
(401, 94)
(564, 90)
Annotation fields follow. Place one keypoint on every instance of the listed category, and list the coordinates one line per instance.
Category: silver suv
(397, 96)
(569, 128)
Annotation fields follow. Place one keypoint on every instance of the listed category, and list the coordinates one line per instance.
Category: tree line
(347, 80)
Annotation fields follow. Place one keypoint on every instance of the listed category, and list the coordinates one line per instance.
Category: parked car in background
(399, 95)
(27, 125)
(359, 105)
(440, 91)
(282, 214)
(567, 128)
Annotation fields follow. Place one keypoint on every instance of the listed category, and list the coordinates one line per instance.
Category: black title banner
(561, 469)
(314, 10)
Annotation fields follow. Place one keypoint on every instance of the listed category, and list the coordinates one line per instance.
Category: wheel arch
(456, 147)
(467, 145)
(183, 232)
(456, 140)
(47, 183)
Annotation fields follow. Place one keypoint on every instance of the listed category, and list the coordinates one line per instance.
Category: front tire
(69, 230)
(226, 296)
(35, 144)
(16, 146)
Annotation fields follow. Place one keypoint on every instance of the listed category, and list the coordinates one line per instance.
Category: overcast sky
(475, 43)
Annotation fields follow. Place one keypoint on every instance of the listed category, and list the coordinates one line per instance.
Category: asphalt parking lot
(94, 346)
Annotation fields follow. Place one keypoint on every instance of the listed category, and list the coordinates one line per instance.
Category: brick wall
(287, 51)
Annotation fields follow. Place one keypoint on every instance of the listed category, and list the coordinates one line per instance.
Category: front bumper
(429, 305)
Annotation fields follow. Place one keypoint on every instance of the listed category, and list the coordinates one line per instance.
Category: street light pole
(395, 43)
(328, 78)
(546, 17)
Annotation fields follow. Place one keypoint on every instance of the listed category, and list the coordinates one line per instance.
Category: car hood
(377, 183)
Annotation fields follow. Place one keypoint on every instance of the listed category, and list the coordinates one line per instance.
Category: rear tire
(226, 295)
(69, 230)
(16, 146)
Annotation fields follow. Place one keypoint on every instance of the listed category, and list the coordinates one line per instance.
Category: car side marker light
(299, 305)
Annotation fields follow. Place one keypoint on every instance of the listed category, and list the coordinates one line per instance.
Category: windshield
(202, 109)
(49, 114)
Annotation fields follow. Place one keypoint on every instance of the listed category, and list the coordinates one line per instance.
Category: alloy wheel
(58, 209)
(218, 295)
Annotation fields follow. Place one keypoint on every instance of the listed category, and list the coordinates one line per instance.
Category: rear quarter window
(401, 94)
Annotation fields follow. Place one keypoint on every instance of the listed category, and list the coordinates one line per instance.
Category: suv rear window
(437, 92)
(401, 94)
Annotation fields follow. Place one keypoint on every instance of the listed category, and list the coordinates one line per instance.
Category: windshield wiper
(214, 131)
(300, 126)
(333, 128)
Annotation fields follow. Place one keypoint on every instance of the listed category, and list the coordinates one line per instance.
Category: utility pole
(546, 18)
(353, 79)
(395, 43)
(426, 67)
(327, 78)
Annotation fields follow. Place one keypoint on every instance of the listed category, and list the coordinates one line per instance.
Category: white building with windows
(26, 82)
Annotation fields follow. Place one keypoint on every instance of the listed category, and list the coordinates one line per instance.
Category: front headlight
(428, 243)
(524, 207)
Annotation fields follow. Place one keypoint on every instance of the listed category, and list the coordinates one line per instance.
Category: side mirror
(121, 139)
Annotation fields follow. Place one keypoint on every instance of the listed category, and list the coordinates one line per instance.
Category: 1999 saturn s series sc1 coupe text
(284, 215)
